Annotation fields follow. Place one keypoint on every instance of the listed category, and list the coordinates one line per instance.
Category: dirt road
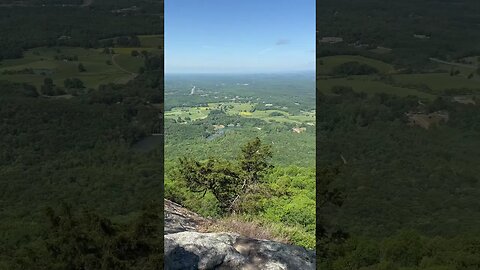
(452, 63)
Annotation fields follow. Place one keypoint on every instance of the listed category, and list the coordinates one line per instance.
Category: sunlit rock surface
(185, 248)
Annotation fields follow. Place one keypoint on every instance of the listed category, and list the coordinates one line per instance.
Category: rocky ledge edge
(186, 249)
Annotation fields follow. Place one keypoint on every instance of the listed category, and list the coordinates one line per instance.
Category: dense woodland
(88, 27)
(79, 189)
(76, 191)
(409, 194)
(77, 152)
(397, 194)
(451, 28)
(441, 164)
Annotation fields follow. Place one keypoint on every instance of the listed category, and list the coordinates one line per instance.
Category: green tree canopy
(228, 181)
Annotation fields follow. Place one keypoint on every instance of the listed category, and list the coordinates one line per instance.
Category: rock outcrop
(186, 248)
(180, 219)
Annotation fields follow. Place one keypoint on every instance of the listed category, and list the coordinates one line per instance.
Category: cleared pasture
(151, 41)
(130, 63)
(194, 113)
(240, 109)
(100, 68)
(368, 85)
(439, 81)
(330, 62)
(405, 84)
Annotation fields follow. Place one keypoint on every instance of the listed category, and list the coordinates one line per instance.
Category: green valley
(217, 115)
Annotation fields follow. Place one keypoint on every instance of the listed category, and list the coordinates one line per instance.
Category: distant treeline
(70, 26)
(449, 27)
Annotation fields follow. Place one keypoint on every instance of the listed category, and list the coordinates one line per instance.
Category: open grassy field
(464, 70)
(368, 85)
(439, 81)
(43, 62)
(151, 41)
(194, 113)
(128, 62)
(101, 68)
(326, 64)
(241, 109)
(403, 84)
(306, 117)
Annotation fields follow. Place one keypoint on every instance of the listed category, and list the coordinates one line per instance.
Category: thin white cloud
(264, 51)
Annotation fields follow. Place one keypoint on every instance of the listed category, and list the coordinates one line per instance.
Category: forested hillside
(77, 190)
(398, 118)
(240, 149)
(56, 25)
(79, 152)
(414, 30)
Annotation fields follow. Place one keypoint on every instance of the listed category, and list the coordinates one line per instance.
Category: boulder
(194, 250)
(186, 248)
(180, 219)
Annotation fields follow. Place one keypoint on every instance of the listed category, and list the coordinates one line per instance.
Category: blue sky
(239, 36)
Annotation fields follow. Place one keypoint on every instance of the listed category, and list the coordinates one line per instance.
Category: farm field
(151, 41)
(201, 125)
(423, 85)
(326, 64)
(243, 110)
(368, 85)
(439, 81)
(100, 68)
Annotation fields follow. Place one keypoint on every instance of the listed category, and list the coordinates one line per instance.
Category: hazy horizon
(287, 72)
(215, 36)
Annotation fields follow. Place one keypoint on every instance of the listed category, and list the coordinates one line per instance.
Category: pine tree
(229, 182)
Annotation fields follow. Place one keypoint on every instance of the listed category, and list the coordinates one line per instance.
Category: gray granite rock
(187, 249)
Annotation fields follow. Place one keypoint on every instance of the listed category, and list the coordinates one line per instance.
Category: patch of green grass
(97, 70)
(151, 41)
(464, 71)
(439, 81)
(244, 110)
(307, 117)
(241, 109)
(194, 113)
(329, 62)
(128, 51)
(368, 85)
(130, 63)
